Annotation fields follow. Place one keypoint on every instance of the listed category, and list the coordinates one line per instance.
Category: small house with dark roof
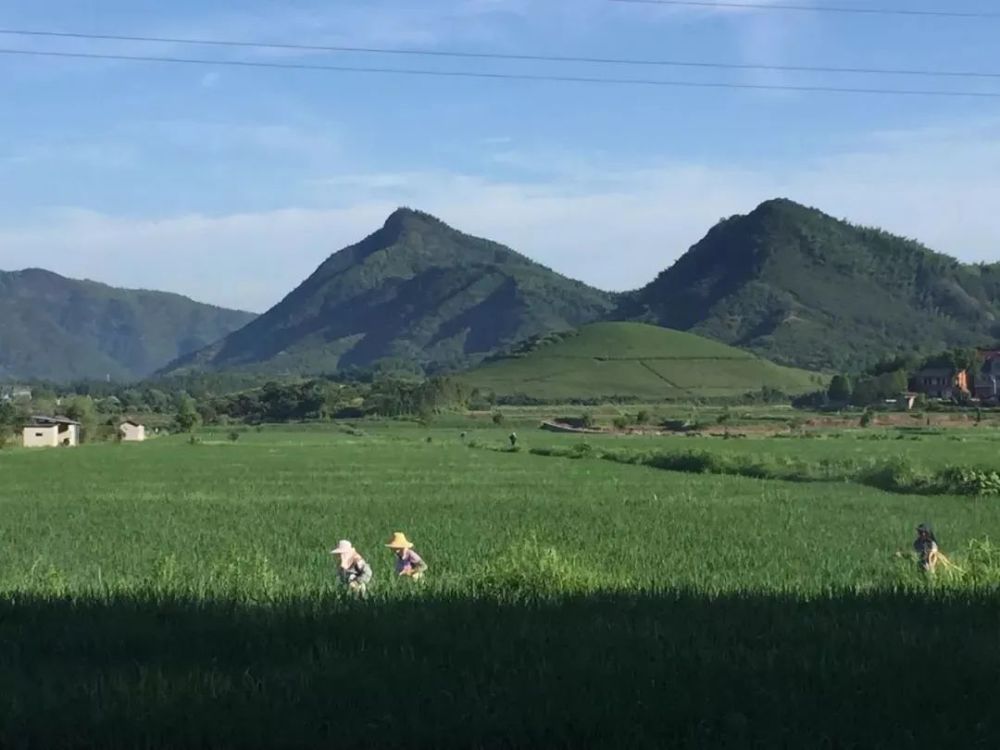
(131, 431)
(50, 432)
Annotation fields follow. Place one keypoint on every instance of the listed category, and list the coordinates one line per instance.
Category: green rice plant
(140, 589)
(529, 569)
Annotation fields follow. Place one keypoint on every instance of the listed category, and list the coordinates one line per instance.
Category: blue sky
(230, 185)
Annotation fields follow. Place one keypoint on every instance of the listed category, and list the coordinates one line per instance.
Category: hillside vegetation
(802, 288)
(416, 290)
(606, 360)
(62, 329)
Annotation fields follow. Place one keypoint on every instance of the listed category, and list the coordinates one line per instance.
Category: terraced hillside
(634, 360)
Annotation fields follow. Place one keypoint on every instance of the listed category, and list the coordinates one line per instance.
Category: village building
(941, 382)
(15, 393)
(51, 432)
(986, 385)
(132, 432)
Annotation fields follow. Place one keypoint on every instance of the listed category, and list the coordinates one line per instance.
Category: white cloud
(613, 227)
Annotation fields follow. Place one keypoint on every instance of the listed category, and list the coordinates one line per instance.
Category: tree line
(888, 379)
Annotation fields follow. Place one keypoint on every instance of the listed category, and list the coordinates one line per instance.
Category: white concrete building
(51, 432)
(132, 432)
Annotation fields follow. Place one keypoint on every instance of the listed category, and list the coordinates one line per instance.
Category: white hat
(343, 547)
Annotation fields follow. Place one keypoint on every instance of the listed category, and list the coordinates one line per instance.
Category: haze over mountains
(785, 281)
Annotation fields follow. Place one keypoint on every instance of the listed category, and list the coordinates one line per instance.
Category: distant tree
(83, 410)
(956, 359)
(891, 384)
(207, 412)
(866, 392)
(157, 400)
(188, 418)
(840, 389)
(642, 417)
(497, 417)
(11, 419)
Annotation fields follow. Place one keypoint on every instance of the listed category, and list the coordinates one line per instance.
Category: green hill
(54, 328)
(805, 289)
(416, 290)
(606, 360)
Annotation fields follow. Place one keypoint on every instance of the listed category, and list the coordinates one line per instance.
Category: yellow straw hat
(399, 541)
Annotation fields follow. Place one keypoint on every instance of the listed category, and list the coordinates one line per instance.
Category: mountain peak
(802, 287)
(415, 289)
(405, 216)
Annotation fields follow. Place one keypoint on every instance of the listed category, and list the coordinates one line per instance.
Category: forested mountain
(802, 288)
(62, 329)
(416, 289)
(785, 281)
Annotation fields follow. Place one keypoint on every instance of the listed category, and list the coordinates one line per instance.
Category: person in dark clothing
(926, 547)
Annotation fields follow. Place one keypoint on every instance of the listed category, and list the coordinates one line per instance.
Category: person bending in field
(353, 571)
(408, 563)
(926, 548)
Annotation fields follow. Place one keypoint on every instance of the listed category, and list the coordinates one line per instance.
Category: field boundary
(889, 475)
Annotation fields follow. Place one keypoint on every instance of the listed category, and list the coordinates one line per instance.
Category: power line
(504, 76)
(967, 14)
(504, 56)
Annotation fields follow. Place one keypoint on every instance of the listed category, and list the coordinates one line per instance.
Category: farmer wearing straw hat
(408, 562)
(353, 572)
(926, 548)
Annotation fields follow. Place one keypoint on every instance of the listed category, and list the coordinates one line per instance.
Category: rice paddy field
(182, 595)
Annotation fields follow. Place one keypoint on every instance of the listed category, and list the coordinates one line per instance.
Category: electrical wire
(503, 76)
(502, 56)
(722, 5)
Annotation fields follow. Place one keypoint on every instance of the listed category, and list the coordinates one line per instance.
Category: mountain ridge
(802, 288)
(58, 328)
(785, 281)
(414, 289)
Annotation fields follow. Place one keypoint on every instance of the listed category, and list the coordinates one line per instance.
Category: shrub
(642, 417)
(234, 435)
(967, 480)
(620, 423)
(497, 418)
(693, 462)
(897, 475)
(587, 420)
(529, 570)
